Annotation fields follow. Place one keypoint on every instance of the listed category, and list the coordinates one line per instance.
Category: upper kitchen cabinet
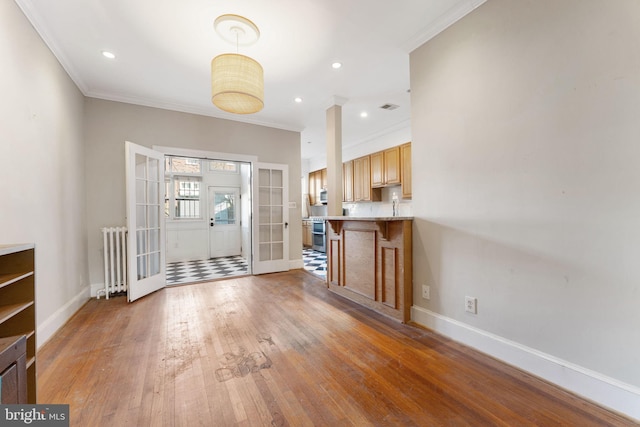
(362, 181)
(405, 170)
(385, 168)
(317, 182)
(347, 181)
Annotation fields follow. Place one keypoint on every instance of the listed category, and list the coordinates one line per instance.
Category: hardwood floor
(280, 350)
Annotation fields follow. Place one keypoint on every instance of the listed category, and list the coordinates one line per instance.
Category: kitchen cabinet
(369, 260)
(317, 182)
(385, 167)
(405, 170)
(307, 236)
(17, 304)
(362, 181)
(347, 181)
(377, 165)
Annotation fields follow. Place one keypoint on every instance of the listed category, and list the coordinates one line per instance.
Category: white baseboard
(46, 329)
(608, 392)
(95, 288)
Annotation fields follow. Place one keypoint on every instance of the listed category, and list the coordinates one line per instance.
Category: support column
(334, 158)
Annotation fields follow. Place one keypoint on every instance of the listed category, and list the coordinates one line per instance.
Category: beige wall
(526, 191)
(108, 124)
(42, 173)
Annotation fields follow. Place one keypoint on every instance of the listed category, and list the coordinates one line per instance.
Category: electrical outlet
(471, 305)
(426, 291)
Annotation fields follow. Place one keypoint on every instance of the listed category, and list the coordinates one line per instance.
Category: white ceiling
(164, 49)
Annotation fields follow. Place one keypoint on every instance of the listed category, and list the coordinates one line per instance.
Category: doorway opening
(208, 219)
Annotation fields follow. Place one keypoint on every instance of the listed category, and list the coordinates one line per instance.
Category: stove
(319, 234)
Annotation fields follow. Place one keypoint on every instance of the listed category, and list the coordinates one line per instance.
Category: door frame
(213, 155)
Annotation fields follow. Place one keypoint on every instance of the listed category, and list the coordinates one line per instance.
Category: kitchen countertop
(368, 218)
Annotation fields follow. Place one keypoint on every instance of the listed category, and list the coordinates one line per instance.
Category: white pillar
(334, 158)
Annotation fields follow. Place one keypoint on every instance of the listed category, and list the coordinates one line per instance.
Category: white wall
(526, 179)
(108, 124)
(42, 173)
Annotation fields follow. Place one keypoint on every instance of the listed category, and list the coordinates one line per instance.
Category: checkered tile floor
(315, 262)
(205, 269)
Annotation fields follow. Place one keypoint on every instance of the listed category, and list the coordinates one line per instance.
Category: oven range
(318, 233)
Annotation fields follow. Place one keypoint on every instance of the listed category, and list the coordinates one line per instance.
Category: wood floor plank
(280, 350)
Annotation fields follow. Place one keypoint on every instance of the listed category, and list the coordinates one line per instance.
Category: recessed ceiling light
(364, 114)
(297, 99)
(336, 65)
(108, 54)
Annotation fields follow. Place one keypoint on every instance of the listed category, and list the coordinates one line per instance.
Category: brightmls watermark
(34, 415)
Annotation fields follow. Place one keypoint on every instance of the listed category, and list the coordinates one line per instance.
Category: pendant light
(237, 81)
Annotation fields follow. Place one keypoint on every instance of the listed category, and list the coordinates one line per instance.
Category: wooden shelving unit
(17, 303)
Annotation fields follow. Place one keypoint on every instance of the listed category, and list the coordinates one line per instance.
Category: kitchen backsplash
(368, 209)
(378, 209)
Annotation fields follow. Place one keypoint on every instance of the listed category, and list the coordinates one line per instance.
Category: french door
(145, 220)
(270, 218)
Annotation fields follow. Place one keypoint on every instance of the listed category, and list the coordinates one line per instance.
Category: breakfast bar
(369, 261)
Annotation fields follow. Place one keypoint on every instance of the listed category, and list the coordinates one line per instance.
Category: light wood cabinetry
(369, 260)
(377, 166)
(317, 182)
(362, 191)
(347, 181)
(17, 304)
(405, 170)
(363, 178)
(385, 167)
(392, 166)
(307, 233)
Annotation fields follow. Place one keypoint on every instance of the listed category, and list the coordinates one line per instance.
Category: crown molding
(440, 24)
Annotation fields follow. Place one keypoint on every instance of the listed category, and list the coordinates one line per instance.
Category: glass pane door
(272, 219)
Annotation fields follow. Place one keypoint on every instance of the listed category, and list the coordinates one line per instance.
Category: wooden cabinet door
(316, 185)
(392, 166)
(405, 169)
(312, 188)
(347, 181)
(377, 169)
(323, 178)
(361, 180)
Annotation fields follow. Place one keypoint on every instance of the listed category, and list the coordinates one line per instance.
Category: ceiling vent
(389, 107)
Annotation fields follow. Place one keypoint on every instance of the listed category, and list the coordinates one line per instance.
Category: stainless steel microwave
(323, 197)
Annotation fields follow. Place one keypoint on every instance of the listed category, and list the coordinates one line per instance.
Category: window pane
(221, 166)
(187, 197)
(154, 261)
(276, 196)
(141, 216)
(264, 178)
(224, 208)
(265, 251)
(154, 172)
(141, 166)
(153, 192)
(185, 165)
(276, 177)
